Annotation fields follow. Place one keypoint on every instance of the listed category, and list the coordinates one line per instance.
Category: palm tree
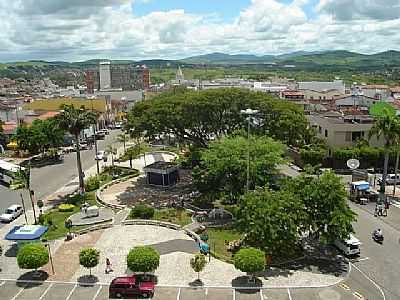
(74, 121)
(22, 181)
(386, 125)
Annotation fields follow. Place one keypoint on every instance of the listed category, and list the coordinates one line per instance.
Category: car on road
(104, 131)
(131, 286)
(350, 246)
(390, 179)
(11, 213)
(101, 155)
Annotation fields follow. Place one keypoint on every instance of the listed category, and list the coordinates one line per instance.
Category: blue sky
(227, 10)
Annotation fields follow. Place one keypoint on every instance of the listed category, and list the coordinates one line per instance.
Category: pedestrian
(108, 266)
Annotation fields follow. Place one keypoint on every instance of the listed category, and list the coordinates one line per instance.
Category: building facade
(125, 77)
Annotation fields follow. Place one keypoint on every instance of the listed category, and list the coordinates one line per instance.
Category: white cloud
(75, 29)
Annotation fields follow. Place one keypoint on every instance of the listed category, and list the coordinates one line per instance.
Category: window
(319, 129)
(348, 136)
(311, 97)
(326, 133)
(356, 135)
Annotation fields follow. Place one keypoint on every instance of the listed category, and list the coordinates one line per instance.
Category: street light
(249, 113)
(47, 245)
(94, 137)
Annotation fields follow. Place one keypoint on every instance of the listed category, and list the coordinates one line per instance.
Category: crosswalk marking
(97, 293)
(1, 283)
(19, 293)
(358, 295)
(71, 292)
(45, 292)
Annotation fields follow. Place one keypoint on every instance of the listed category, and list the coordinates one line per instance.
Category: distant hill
(338, 58)
(222, 58)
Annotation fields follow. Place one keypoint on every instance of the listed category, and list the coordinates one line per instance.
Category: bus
(8, 171)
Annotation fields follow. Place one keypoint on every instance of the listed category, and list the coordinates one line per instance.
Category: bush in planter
(66, 207)
(142, 212)
(92, 183)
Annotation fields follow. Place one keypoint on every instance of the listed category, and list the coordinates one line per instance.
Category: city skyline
(175, 29)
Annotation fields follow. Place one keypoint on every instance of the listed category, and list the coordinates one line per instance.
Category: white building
(105, 75)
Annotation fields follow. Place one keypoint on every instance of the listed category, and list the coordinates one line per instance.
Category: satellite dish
(353, 163)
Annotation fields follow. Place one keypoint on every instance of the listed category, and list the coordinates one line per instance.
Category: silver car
(11, 213)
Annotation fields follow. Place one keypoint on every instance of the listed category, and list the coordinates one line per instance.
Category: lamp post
(47, 245)
(95, 139)
(249, 113)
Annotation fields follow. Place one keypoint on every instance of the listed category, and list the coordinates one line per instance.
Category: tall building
(109, 76)
(105, 75)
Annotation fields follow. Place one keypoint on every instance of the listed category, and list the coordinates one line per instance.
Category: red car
(130, 286)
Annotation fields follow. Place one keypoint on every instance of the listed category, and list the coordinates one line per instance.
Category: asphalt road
(381, 263)
(48, 179)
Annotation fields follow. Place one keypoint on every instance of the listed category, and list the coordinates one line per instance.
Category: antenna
(353, 163)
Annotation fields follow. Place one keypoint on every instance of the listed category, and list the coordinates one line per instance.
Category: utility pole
(249, 113)
(95, 139)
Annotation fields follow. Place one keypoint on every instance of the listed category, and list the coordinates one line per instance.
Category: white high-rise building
(105, 75)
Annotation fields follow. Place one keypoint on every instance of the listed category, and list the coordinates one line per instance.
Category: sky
(77, 30)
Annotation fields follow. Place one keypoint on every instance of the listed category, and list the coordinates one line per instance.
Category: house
(343, 131)
(395, 92)
(351, 103)
(377, 91)
(322, 91)
(293, 95)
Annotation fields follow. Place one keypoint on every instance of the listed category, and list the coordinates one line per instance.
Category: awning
(361, 185)
(26, 233)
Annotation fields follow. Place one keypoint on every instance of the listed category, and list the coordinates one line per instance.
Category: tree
(32, 256)
(250, 260)
(121, 138)
(132, 153)
(386, 125)
(74, 121)
(143, 259)
(22, 180)
(113, 151)
(223, 166)
(198, 262)
(324, 200)
(271, 221)
(196, 118)
(89, 258)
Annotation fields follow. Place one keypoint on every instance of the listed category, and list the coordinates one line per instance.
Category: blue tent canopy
(26, 233)
(361, 185)
(204, 247)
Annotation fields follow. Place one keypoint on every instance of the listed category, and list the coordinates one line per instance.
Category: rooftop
(56, 103)
(322, 86)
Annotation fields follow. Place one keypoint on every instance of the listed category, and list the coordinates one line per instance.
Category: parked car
(350, 246)
(100, 135)
(82, 147)
(131, 286)
(390, 179)
(118, 125)
(101, 155)
(104, 131)
(11, 213)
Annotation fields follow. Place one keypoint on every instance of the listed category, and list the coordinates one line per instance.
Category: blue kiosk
(26, 234)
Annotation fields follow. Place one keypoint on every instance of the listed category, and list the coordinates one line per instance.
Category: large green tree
(271, 220)
(74, 121)
(223, 166)
(197, 117)
(324, 201)
(386, 125)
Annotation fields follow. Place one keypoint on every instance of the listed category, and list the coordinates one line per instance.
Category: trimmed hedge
(142, 211)
(66, 207)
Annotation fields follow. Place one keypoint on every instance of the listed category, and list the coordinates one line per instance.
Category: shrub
(142, 212)
(89, 258)
(143, 259)
(66, 207)
(92, 183)
(250, 260)
(198, 262)
(32, 256)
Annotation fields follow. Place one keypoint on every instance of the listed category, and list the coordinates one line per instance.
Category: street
(48, 179)
(381, 263)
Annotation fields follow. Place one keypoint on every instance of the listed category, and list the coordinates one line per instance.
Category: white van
(350, 246)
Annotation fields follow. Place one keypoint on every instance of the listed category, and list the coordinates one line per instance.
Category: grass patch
(55, 219)
(217, 238)
(172, 215)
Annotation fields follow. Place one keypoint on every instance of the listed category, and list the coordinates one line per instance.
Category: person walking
(108, 266)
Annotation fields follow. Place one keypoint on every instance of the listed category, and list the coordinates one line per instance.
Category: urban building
(322, 91)
(124, 77)
(339, 130)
